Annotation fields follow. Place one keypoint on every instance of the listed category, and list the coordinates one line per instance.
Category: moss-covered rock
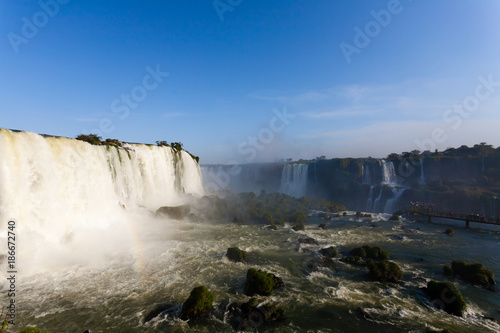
(259, 282)
(198, 304)
(447, 296)
(449, 231)
(237, 255)
(476, 274)
(353, 260)
(385, 271)
(322, 226)
(175, 213)
(307, 240)
(330, 252)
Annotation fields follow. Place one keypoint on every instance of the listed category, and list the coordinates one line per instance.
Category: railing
(450, 215)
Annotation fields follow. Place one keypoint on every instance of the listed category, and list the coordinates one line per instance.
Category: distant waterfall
(396, 194)
(369, 202)
(376, 203)
(367, 179)
(389, 176)
(294, 179)
(422, 176)
(390, 179)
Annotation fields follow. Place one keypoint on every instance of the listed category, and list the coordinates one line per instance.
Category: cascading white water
(396, 194)
(367, 180)
(376, 203)
(59, 188)
(389, 176)
(294, 179)
(369, 202)
(422, 176)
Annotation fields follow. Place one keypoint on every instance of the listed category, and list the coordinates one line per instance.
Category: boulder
(198, 304)
(175, 213)
(259, 282)
(251, 315)
(447, 296)
(330, 252)
(236, 255)
(476, 274)
(308, 240)
(385, 271)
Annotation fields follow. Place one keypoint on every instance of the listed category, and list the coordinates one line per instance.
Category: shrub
(299, 217)
(449, 231)
(93, 139)
(375, 253)
(323, 215)
(299, 227)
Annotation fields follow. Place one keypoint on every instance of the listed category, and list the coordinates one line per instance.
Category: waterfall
(422, 177)
(390, 179)
(54, 185)
(396, 194)
(367, 180)
(376, 203)
(294, 179)
(389, 176)
(369, 202)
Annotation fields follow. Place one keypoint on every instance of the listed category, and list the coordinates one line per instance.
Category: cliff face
(453, 183)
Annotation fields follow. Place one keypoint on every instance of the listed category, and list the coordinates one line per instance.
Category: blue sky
(353, 78)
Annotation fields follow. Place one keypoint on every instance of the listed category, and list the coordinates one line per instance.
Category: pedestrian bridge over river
(430, 213)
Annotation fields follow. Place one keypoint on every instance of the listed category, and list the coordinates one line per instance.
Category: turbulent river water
(169, 258)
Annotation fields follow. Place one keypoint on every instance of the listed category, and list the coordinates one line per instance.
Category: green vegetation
(449, 231)
(299, 227)
(323, 215)
(447, 296)
(385, 271)
(237, 255)
(198, 305)
(260, 282)
(476, 274)
(322, 226)
(375, 253)
(93, 139)
(273, 209)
